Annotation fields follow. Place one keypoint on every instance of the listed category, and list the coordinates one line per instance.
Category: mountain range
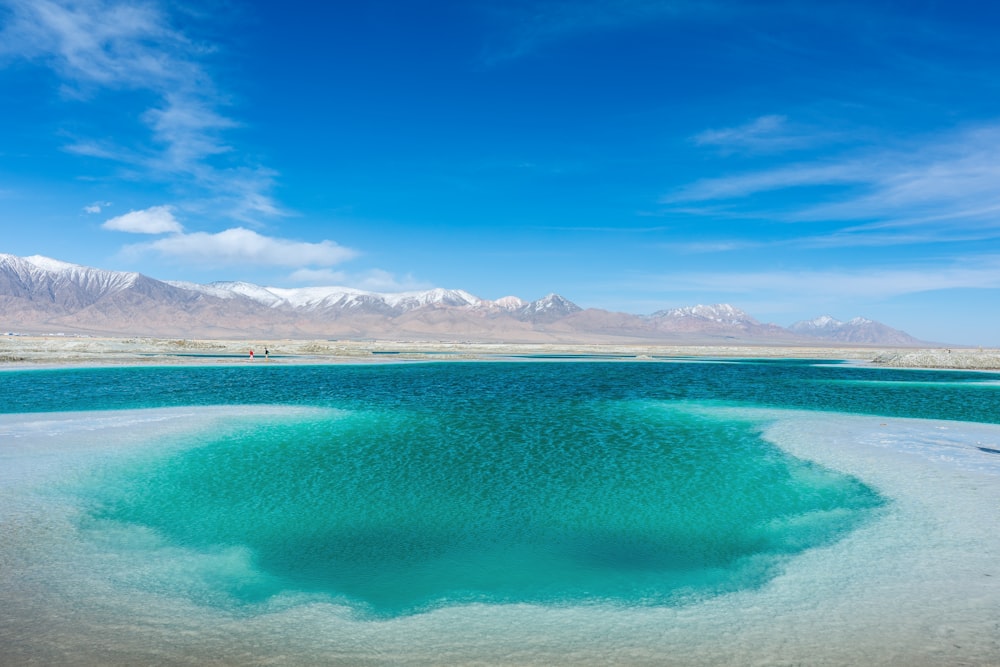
(43, 295)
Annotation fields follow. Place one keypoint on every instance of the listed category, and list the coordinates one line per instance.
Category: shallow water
(397, 511)
(456, 512)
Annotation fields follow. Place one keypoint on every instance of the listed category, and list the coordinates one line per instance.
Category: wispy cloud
(529, 26)
(101, 43)
(766, 134)
(945, 184)
(610, 229)
(701, 247)
(780, 178)
(893, 234)
(189, 128)
(844, 284)
(96, 45)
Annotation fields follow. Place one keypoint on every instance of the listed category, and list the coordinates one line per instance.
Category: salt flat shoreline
(930, 553)
(18, 351)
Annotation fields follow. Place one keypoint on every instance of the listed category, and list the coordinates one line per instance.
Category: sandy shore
(34, 351)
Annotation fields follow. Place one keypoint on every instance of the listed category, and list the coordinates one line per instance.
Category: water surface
(409, 491)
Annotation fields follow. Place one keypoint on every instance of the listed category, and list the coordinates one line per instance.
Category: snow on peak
(231, 289)
(297, 297)
(827, 323)
(436, 296)
(508, 303)
(53, 265)
(720, 312)
(84, 276)
(251, 291)
(823, 322)
(551, 305)
(313, 298)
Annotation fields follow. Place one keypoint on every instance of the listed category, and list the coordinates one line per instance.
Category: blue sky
(793, 159)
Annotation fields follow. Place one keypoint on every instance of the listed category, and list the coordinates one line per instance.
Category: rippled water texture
(395, 490)
(397, 510)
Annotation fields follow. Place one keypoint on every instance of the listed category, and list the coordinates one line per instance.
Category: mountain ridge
(856, 330)
(45, 295)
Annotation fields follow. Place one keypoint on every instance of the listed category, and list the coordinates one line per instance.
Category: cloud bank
(239, 246)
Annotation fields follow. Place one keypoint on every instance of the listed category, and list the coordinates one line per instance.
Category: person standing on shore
(251, 354)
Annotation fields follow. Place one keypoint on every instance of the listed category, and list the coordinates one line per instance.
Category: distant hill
(43, 295)
(859, 330)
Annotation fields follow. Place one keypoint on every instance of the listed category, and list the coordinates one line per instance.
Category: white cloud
(132, 45)
(153, 220)
(240, 246)
(96, 207)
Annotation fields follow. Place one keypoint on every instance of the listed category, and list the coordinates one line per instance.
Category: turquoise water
(443, 386)
(415, 487)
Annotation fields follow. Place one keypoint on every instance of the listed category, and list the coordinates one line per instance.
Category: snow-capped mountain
(856, 330)
(507, 303)
(721, 319)
(549, 308)
(27, 274)
(43, 295)
(347, 299)
(722, 313)
(230, 290)
(820, 324)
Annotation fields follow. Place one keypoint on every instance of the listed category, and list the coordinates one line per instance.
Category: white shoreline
(920, 585)
(18, 352)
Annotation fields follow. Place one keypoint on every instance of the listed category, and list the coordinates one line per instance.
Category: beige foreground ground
(33, 351)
